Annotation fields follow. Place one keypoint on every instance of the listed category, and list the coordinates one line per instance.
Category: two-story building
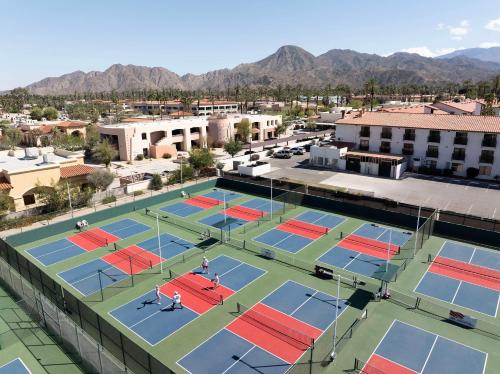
(454, 142)
(198, 108)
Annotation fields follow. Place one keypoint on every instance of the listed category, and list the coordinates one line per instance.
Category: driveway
(458, 195)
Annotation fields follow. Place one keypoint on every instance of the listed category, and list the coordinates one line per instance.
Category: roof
(71, 124)
(178, 102)
(468, 106)
(415, 109)
(383, 156)
(75, 171)
(4, 184)
(490, 124)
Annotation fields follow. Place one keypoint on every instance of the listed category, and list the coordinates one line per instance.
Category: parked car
(298, 150)
(283, 154)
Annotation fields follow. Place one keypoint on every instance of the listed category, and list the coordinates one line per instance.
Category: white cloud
(440, 26)
(427, 52)
(493, 25)
(457, 32)
(464, 23)
(489, 44)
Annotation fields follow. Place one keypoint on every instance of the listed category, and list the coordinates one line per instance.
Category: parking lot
(459, 195)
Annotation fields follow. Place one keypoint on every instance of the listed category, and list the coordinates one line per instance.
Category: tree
(12, 137)
(104, 153)
(92, 138)
(201, 158)
(36, 113)
(280, 129)
(186, 105)
(50, 113)
(175, 176)
(54, 197)
(233, 147)
(488, 109)
(243, 129)
(156, 182)
(6, 203)
(370, 87)
(100, 179)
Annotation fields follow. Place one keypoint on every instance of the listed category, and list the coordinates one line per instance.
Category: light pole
(224, 206)
(69, 199)
(271, 199)
(416, 232)
(388, 251)
(333, 354)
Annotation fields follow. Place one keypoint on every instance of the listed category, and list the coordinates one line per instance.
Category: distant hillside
(288, 65)
(484, 54)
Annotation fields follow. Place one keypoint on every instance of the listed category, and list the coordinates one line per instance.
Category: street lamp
(224, 206)
(333, 354)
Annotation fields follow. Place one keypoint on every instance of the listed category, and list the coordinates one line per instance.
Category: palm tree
(370, 87)
(186, 104)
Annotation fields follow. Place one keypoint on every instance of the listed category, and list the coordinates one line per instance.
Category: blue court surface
(424, 352)
(226, 352)
(125, 228)
(154, 323)
(170, 245)
(320, 219)
(222, 194)
(383, 234)
(294, 243)
(53, 252)
(263, 205)
(181, 209)
(85, 278)
(16, 366)
(357, 262)
(224, 222)
(284, 240)
(458, 292)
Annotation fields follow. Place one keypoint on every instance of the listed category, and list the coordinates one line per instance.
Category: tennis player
(204, 265)
(216, 281)
(176, 300)
(157, 293)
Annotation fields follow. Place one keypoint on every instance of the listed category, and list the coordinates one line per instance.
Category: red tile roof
(416, 109)
(488, 124)
(466, 106)
(75, 170)
(71, 124)
(4, 184)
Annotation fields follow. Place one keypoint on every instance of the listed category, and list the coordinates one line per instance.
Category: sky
(47, 38)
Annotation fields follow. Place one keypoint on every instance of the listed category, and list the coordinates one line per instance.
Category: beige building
(22, 170)
(158, 138)
(203, 107)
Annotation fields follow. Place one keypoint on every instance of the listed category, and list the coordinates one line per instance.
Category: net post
(429, 258)
(151, 263)
(170, 273)
(356, 364)
(131, 270)
(238, 307)
(100, 284)
(221, 302)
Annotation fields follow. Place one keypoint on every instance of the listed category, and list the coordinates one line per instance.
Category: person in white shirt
(204, 266)
(157, 294)
(176, 300)
(216, 281)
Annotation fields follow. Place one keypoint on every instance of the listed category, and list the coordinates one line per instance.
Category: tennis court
(89, 240)
(154, 323)
(264, 205)
(464, 275)
(199, 203)
(367, 250)
(295, 234)
(16, 366)
(406, 349)
(233, 217)
(270, 336)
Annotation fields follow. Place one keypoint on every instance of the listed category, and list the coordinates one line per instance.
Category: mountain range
(289, 65)
(484, 54)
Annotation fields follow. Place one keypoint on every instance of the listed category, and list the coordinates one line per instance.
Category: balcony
(364, 133)
(434, 138)
(385, 149)
(460, 140)
(434, 153)
(489, 142)
(486, 159)
(459, 156)
(386, 135)
(409, 137)
(364, 147)
(407, 151)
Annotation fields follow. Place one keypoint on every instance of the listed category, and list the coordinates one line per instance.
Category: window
(432, 151)
(144, 136)
(487, 156)
(484, 170)
(434, 136)
(364, 144)
(385, 147)
(461, 138)
(408, 149)
(29, 199)
(457, 167)
(365, 131)
(145, 152)
(386, 133)
(432, 164)
(458, 154)
(409, 134)
(490, 140)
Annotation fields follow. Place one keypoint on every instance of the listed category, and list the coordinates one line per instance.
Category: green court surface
(119, 299)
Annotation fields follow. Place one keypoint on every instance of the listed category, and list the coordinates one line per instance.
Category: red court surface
(202, 202)
(368, 246)
(261, 335)
(247, 214)
(305, 229)
(93, 238)
(197, 292)
(380, 365)
(133, 255)
(463, 271)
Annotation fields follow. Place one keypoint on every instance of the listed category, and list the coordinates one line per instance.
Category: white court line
(380, 342)
(293, 312)
(14, 360)
(429, 355)
(239, 359)
(456, 292)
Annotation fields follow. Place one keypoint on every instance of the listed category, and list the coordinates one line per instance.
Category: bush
(270, 152)
(156, 183)
(139, 157)
(109, 199)
(138, 193)
(254, 157)
(167, 155)
(472, 172)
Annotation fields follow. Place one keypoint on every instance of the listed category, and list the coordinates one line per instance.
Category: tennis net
(488, 274)
(276, 328)
(382, 247)
(206, 200)
(306, 227)
(135, 257)
(367, 368)
(93, 237)
(196, 288)
(184, 224)
(246, 211)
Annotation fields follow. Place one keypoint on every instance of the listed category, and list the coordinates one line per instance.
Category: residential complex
(158, 138)
(454, 142)
(199, 108)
